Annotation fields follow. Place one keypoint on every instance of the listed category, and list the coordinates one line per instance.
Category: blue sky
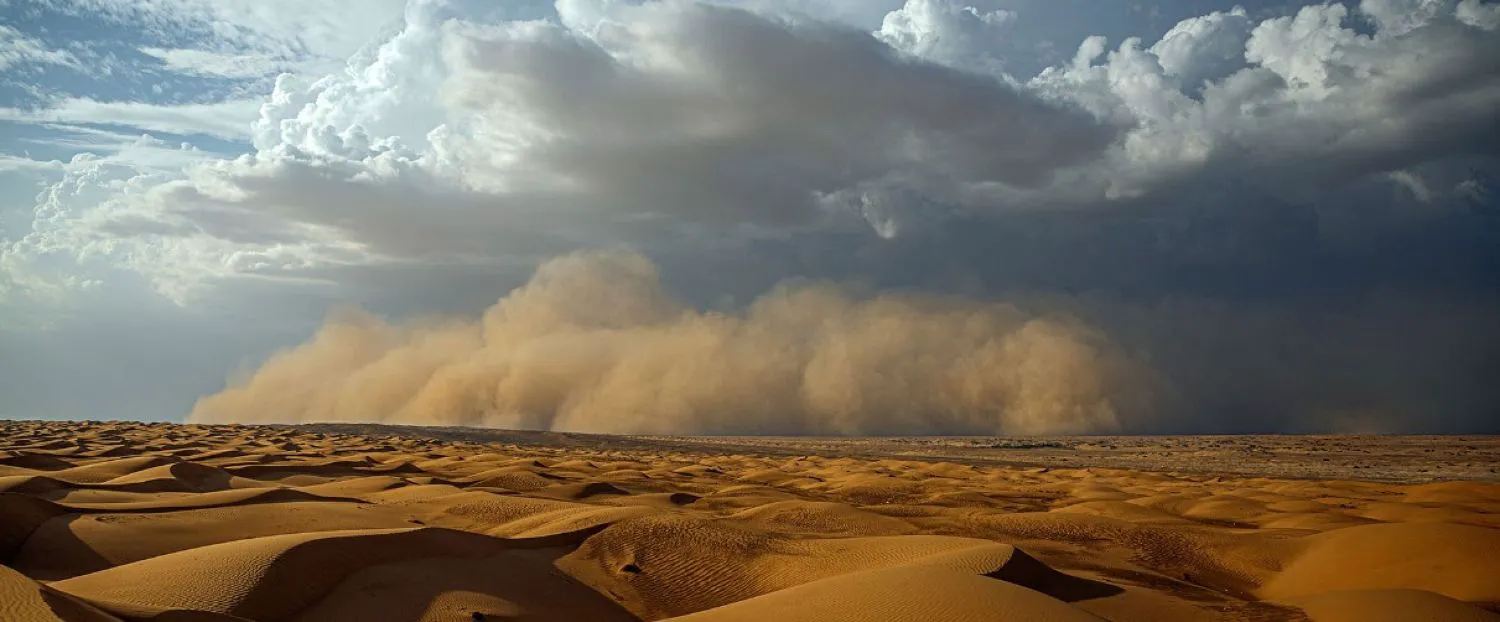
(1280, 206)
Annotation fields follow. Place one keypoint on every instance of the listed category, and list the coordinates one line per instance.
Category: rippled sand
(110, 521)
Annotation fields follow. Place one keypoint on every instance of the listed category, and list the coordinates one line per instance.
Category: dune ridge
(130, 521)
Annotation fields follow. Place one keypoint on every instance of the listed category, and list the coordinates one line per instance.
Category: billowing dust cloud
(594, 343)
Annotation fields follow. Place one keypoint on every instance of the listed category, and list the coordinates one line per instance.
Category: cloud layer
(617, 122)
(1261, 210)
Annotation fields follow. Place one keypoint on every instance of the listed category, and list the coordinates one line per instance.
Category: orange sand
(127, 521)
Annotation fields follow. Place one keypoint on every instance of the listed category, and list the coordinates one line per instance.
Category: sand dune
(899, 594)
(1460, 561)
(511, 585)
(125, 521)
(274, 577)
(25, 600)
(72, 545)
(1390, 606)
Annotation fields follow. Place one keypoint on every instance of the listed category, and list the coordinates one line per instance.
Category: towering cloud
(1257, 220)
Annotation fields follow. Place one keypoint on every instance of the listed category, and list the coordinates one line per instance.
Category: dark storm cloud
(1272, 220)
(752, 118)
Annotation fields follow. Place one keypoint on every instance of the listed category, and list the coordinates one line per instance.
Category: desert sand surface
(134, 521)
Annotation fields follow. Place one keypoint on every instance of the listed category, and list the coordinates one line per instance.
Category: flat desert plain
(132, 521)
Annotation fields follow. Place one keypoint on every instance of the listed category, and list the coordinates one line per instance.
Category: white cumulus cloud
(466, 137)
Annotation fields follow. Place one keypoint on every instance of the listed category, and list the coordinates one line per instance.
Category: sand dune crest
(119, 521)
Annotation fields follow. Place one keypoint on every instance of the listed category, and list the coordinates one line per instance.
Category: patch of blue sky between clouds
(111, 64)
(116, 89)
(47, 142)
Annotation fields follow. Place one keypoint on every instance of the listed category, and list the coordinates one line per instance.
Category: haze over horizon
(754, 216)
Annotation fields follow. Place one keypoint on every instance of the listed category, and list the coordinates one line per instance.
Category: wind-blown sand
(130, 521)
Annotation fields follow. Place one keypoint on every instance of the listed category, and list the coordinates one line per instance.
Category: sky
(754, 216)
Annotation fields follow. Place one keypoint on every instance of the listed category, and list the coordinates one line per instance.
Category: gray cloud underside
(1258, 222)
